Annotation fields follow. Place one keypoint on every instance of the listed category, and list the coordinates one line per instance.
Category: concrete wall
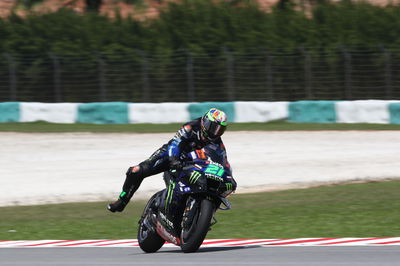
(365, 111)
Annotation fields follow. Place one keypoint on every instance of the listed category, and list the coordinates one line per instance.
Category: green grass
(153, 128)
(353, 210)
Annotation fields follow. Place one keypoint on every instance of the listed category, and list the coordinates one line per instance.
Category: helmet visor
(213, 129)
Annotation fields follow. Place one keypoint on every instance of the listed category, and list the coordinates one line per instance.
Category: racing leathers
(169, 156)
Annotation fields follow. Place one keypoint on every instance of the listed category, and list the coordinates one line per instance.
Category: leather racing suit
(169, 156)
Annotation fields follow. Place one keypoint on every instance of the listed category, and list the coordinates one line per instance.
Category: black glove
(175, 163)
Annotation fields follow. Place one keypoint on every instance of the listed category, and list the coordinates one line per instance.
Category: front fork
(189, 212)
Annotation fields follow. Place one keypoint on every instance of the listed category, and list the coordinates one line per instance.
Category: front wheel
(194, 230)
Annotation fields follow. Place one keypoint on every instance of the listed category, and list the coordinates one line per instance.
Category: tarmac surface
(254, 255)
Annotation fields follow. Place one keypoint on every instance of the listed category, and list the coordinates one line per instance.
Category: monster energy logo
(229, 186)
(168, 200)
(194, 177)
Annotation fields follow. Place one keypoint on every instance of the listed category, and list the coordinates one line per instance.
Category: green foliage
(29, 3)
(203, 25)
(205, 29)
(133, 2)
(356, 24)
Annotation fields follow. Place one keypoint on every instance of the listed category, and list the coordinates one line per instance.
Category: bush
(204, 29)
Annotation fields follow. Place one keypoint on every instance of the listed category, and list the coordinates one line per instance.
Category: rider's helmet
(213, 124)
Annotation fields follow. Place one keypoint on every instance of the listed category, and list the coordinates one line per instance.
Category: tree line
(206, 26)
(207, 30)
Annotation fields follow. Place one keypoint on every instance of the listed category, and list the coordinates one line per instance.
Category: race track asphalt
(277, 256)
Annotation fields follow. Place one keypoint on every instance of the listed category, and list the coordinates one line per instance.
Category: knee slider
(133, 170)
(138, 170)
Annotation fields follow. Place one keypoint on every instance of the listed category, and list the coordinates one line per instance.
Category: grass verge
(153, 128)
(353, 210)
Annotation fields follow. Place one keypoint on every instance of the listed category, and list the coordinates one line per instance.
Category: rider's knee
(234, 184)
(134, 171)
(140, 170)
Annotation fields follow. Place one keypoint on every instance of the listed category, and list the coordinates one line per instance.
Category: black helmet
(213, 124)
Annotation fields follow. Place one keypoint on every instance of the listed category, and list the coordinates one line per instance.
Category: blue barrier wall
(312, 112)
(394, 110)
(365, 111)
(103, 113)
(9, 112)
(198, 109)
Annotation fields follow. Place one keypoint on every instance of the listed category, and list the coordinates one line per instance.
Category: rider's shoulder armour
(191, 136)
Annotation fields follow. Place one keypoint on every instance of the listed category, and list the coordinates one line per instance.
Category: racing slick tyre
(197, 223)
(149, 240)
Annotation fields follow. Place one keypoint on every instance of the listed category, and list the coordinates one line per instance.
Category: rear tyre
(149, 240)
(193, 234)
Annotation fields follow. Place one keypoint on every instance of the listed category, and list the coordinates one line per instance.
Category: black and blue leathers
(169, 156)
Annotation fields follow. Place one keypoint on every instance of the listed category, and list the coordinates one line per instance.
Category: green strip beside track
(157, 128)
(352, 210)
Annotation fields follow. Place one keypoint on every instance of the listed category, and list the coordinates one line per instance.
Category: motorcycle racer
(193, 135)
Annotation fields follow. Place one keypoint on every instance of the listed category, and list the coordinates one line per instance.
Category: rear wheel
(149, 240)
(198, 216)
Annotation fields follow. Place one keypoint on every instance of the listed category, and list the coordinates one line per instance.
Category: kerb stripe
(291, 242)
(347, 241)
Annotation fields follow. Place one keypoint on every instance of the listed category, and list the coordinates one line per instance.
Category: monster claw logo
(194, 177)
(169, 197)
(229, 186)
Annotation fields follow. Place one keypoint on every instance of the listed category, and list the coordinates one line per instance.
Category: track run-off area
(81, 167)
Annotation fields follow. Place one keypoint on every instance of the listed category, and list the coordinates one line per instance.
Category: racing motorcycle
(183, 213)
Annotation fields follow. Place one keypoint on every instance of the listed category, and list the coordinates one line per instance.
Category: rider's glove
(175, 163)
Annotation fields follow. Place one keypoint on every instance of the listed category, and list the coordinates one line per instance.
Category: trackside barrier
(312, 112)
(363, 111)
(158, 113)
(198, 109)
(9, 112)
(50, 112)
(103, 113)
(394, 109)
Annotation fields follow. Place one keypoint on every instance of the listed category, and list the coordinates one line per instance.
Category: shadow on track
(210, 249)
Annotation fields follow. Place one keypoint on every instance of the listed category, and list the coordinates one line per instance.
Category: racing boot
(120, 204)
(132, 182)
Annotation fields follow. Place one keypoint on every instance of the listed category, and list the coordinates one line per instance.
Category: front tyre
(194, 232)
